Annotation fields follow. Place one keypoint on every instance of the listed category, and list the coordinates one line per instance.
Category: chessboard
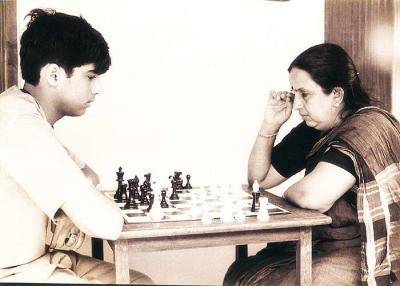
(193, 203)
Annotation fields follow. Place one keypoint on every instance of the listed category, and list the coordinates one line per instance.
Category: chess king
(62, 58)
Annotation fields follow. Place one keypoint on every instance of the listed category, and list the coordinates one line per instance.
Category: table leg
(121, 259)
(97, 248)
(304, 257)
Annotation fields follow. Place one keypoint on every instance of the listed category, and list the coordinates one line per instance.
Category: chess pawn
(188, 185)
(164, 203)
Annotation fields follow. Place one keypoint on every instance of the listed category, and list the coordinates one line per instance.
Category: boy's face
(79, 90)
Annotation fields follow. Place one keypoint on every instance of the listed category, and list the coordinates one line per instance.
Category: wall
(367, 31)
(186, 91)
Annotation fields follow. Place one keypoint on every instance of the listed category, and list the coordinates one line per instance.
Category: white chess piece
(256, 186)
(263, 214)
(206, 217)
(156, 212)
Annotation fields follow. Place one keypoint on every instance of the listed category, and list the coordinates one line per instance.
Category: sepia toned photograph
(188, 142)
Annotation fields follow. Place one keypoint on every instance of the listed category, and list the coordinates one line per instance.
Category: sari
(371, 138)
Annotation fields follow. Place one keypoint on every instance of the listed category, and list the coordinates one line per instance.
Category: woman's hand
(279, 108)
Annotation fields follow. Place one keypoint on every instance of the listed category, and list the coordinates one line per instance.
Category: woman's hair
(330, 66)
(68, 41)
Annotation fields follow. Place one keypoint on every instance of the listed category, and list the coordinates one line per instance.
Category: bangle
(267, 135)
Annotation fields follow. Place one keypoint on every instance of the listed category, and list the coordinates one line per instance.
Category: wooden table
(295, 226)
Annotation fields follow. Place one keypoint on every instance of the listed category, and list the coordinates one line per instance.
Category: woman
(350, 152)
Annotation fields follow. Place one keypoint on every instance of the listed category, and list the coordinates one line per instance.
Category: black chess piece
(151, 201)
(178, 181)
(174, 195)
(255, 205)
(143, 196)
(120, 180)
(135, 185)
(163, 203)
(130, 202)
(188, 185)
(147, 182)
(124, 195)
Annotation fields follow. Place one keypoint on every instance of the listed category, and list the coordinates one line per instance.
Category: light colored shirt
(37, 176)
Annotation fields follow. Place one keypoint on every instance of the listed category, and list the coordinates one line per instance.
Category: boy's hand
(66, 236)
(279, 108)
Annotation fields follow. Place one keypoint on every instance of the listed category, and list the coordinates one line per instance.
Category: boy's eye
(91, 77)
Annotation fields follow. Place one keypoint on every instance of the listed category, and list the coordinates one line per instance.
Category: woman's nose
(297, 102)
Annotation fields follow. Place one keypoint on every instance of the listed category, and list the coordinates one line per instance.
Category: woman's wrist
(268, 130)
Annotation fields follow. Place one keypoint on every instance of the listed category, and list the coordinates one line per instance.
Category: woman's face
(319, 110)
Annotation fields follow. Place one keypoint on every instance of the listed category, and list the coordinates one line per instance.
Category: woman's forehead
(300, 80)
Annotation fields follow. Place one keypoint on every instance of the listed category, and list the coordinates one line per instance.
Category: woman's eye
(91, 77)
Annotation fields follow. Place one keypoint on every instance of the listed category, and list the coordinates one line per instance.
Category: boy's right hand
(66, 236)
(279, 108)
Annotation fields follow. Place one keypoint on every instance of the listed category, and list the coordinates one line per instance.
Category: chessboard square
(135, 214)
(132, 211)
(177, 217)
(177, 202)
(275, 211)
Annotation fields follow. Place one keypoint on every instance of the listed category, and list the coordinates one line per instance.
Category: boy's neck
(46, 100)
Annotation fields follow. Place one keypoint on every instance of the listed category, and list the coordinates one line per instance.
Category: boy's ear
(52, 73)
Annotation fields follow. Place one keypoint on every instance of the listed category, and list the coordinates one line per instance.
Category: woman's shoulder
(370, 118)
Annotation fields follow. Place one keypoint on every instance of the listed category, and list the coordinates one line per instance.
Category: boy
(62, 57)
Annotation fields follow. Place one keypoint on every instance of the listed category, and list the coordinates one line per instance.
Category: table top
(296, 218)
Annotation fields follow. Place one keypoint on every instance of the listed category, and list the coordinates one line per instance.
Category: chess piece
(263, 214)
(123, 195)
(131, 203)
(164, 203)
(256, 197)
(151, 201)
(188, 185)
(135, 185)
(143, 196)
(147, 182)
(120, 180)
(177, 181)
(174, 195)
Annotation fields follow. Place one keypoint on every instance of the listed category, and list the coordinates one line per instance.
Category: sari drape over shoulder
(371, 138)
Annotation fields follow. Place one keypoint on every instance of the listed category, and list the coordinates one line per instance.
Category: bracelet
(267, 135)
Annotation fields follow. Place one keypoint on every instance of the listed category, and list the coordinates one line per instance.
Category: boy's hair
(66, 40)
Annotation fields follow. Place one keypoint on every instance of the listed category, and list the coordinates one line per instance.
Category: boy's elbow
(110, 228)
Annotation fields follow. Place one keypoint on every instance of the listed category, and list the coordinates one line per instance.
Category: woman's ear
(338, 95)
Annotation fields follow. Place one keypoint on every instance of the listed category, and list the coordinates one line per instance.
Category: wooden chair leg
(241, 252)
(97, 248)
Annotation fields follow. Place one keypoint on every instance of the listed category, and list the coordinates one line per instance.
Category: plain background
(186, 91)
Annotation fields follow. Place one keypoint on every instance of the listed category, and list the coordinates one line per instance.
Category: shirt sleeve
(32, 155)
(339, 159)
(289, 156)
(75, 158)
